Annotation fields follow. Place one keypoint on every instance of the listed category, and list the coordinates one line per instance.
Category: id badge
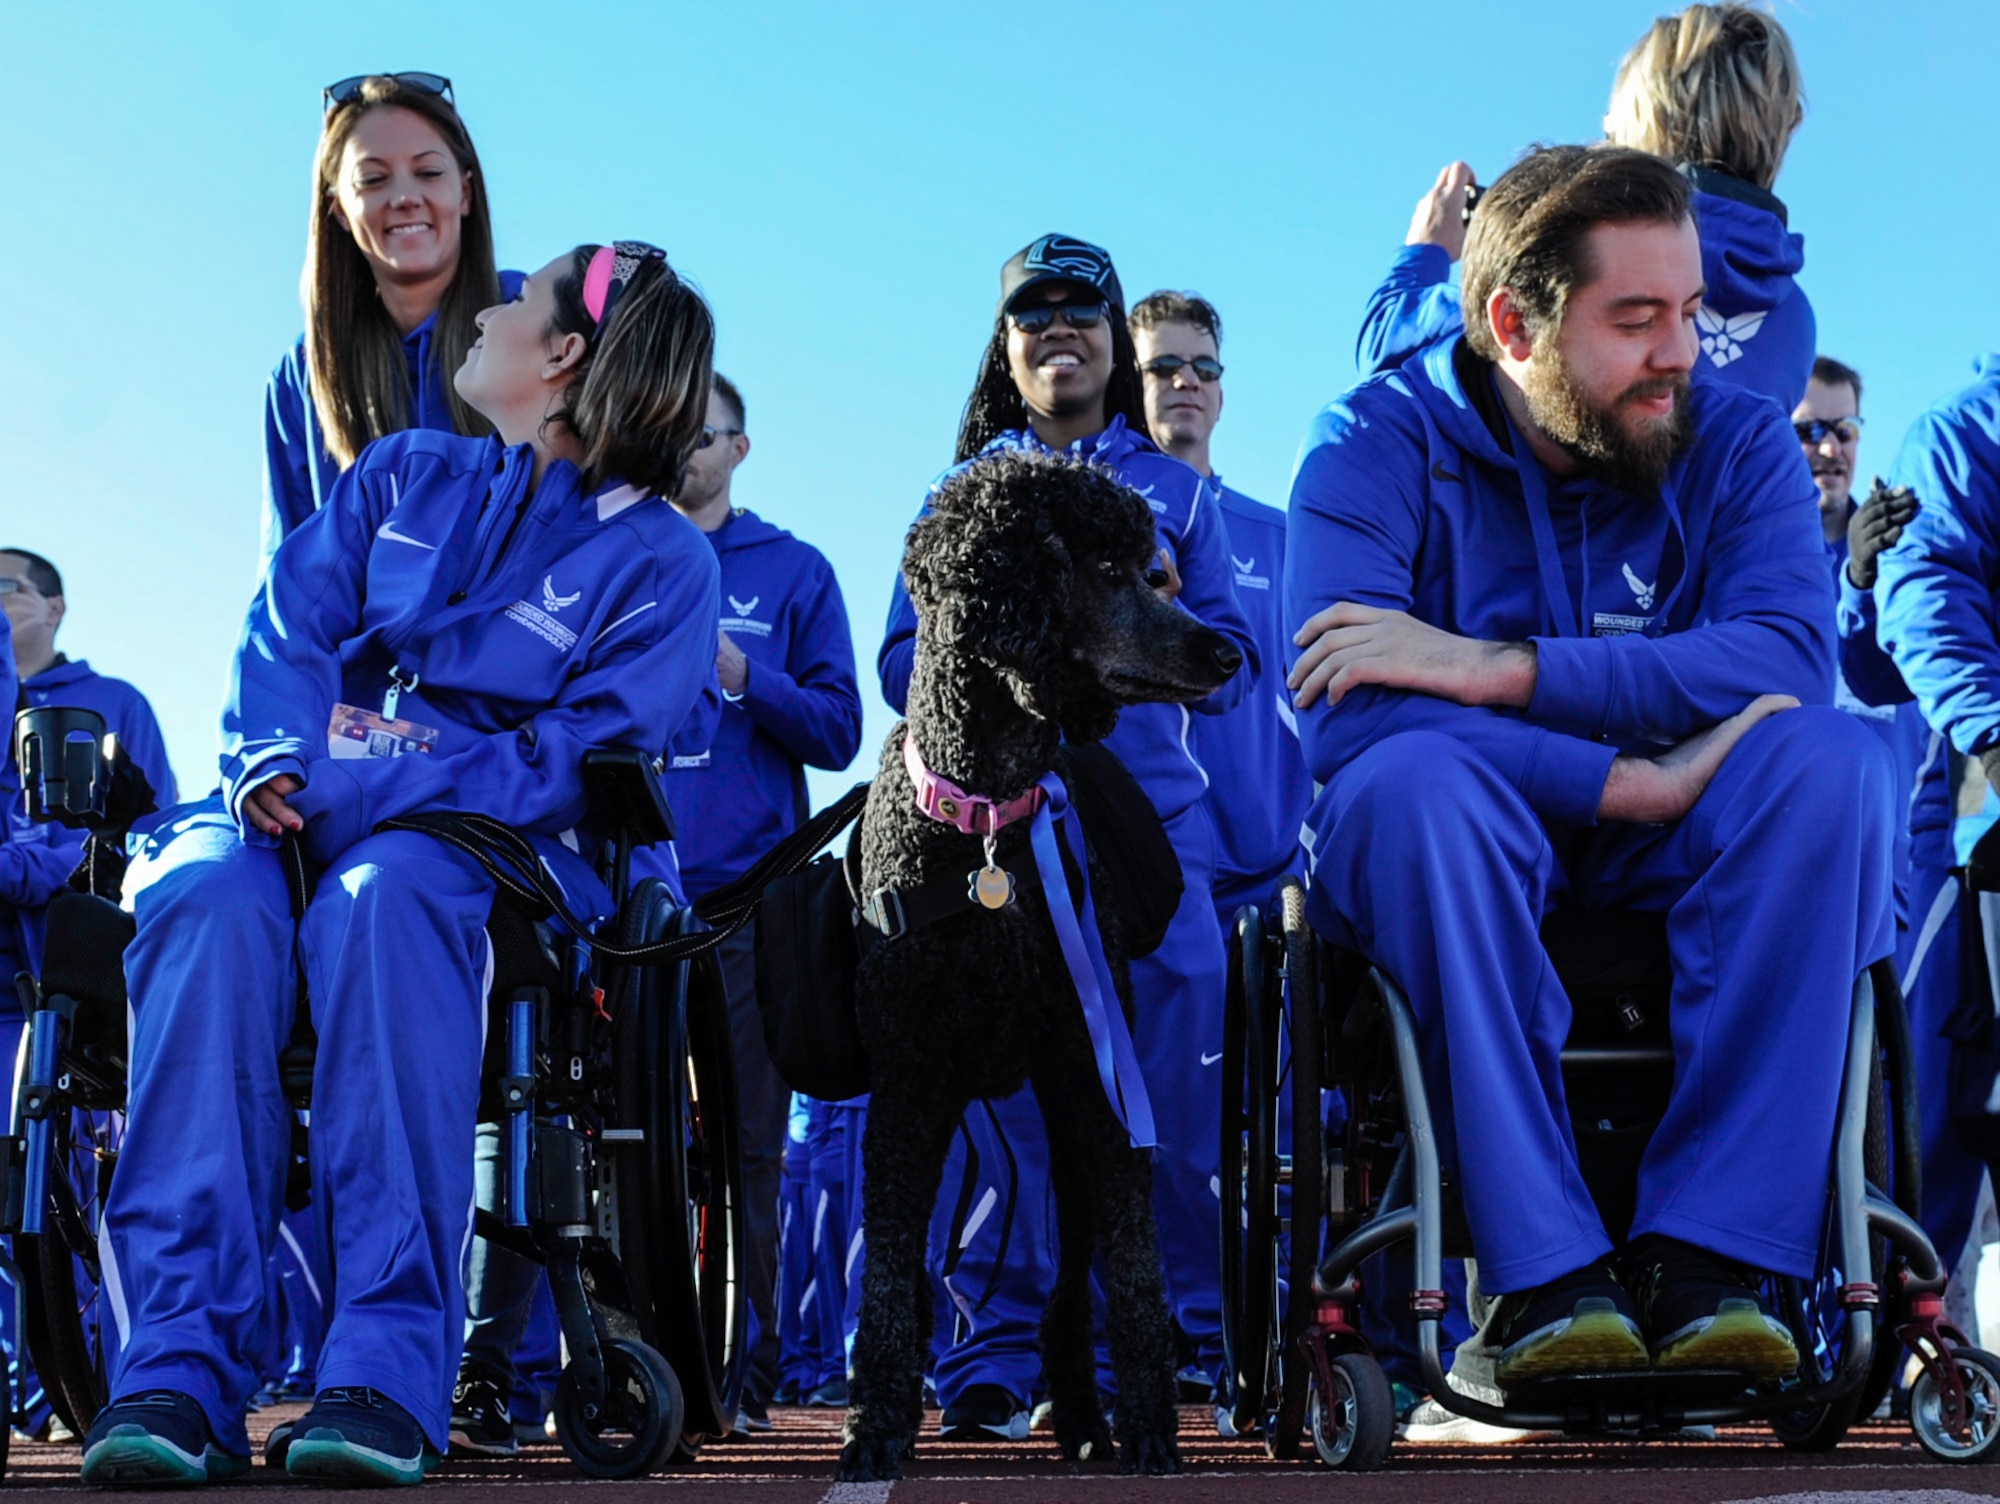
(355, 733)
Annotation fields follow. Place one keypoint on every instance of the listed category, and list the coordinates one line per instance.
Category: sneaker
(159, 1436)
(1195, 1387)
(832, 1395)
(278, 1443)
(1581, 1323)
(753, 1415)
(1704, 1311)
(984, 1412)
(481, 1425)
(1429, 1424)
(359, 1436)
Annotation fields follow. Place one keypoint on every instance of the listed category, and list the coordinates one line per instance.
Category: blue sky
(844, 181)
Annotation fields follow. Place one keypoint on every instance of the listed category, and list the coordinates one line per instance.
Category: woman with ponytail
(453, 630)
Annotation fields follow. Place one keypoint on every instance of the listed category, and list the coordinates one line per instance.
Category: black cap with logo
(1060, 258)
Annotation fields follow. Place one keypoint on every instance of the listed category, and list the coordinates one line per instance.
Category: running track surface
(794, 1465)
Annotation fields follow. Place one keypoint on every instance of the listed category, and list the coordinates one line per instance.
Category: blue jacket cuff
(1429, 263)
(1565, 782)
(1571, 688)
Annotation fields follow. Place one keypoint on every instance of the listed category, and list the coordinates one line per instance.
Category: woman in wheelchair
(462, 622)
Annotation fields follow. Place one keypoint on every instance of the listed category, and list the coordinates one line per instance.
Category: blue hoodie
(801, 706)
(1407, 496)
(1757, 329)
(1151, 740)
(535, 628)
(126, 713)
(1258, 790)
(1937, 590)
(298, 472)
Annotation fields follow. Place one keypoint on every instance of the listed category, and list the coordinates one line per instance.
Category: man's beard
(1596, 435)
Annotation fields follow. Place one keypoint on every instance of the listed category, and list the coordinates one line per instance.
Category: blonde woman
(399, 260)
(1716, 91)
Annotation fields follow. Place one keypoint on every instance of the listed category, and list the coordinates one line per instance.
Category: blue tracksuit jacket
(586, 624)
(801, 708)
(298, 472)
(1729, 549)
(1935, 589)
(1152, 740)
(1258, 788)
(1757, 329)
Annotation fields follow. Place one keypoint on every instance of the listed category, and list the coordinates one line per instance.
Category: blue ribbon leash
(1083, 953)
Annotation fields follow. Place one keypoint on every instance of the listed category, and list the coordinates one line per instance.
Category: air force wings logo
(744, 608)
(551, 602)
(1640, 589)
(1723, 339)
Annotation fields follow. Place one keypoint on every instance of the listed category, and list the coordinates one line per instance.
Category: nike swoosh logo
(388, 532)
(1438, 472)
(1211, 1059)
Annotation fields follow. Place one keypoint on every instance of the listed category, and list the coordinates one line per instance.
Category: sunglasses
(710, 435)
(1817, 430)
(1207, 367)
(335, 95)
(1083, 313)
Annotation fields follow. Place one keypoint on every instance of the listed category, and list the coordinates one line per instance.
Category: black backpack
(811, 936)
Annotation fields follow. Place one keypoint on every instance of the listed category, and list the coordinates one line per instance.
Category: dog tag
(991, 886)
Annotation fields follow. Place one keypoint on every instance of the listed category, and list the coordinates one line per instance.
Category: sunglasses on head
(1079, 313)
(710, 435)
(335, 95)
(1207, 367)
(1816, 430)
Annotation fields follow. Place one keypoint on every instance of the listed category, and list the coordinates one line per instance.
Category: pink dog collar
(948, 804)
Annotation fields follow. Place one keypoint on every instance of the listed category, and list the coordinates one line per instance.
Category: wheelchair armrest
(623, 787)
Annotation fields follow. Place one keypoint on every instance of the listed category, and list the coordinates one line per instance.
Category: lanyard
(1559, 611)
(1083, 954)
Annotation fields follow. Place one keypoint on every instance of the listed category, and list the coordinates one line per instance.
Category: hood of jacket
(745, 529)
(1749, 255)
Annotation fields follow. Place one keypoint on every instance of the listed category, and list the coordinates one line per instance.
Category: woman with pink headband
(461, 622)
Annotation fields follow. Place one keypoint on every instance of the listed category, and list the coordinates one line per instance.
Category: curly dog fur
(1036, 622)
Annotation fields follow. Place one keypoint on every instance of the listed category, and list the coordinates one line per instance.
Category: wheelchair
(1305, 1017)
(612, 1083)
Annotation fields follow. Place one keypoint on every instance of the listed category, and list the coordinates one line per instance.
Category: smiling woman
(399, 260)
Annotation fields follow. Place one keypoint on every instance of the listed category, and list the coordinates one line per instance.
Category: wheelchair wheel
(1249, 1189)
(681, 1233)
(638, 1422)
(1354, 1427)
(64, 1314)
(1978, 1438)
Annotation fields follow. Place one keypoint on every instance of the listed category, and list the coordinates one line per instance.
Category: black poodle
(1037, 622)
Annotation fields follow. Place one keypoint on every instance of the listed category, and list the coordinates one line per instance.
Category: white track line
(857, 1493)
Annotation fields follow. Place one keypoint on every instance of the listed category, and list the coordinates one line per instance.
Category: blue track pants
(397, 961)
(1776, 888)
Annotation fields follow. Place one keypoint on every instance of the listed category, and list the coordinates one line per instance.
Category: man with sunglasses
(785, 661)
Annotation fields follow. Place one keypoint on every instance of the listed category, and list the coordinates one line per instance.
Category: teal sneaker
(157, 1438)
(359, 1436)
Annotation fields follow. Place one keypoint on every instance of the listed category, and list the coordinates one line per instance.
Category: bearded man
(1568, 643)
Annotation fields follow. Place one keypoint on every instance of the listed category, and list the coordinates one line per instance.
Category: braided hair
(995, 405)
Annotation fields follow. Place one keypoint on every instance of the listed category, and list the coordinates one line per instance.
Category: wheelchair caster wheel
(1977, 1438)
(1353, 1427)
(638, 1422)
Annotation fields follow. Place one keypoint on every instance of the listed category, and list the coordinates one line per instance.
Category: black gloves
(1877, 522)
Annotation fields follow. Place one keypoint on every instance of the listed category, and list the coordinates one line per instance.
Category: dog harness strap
(1083, 953)
(948, 804)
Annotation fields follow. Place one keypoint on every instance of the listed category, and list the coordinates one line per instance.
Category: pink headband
(611, 268)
